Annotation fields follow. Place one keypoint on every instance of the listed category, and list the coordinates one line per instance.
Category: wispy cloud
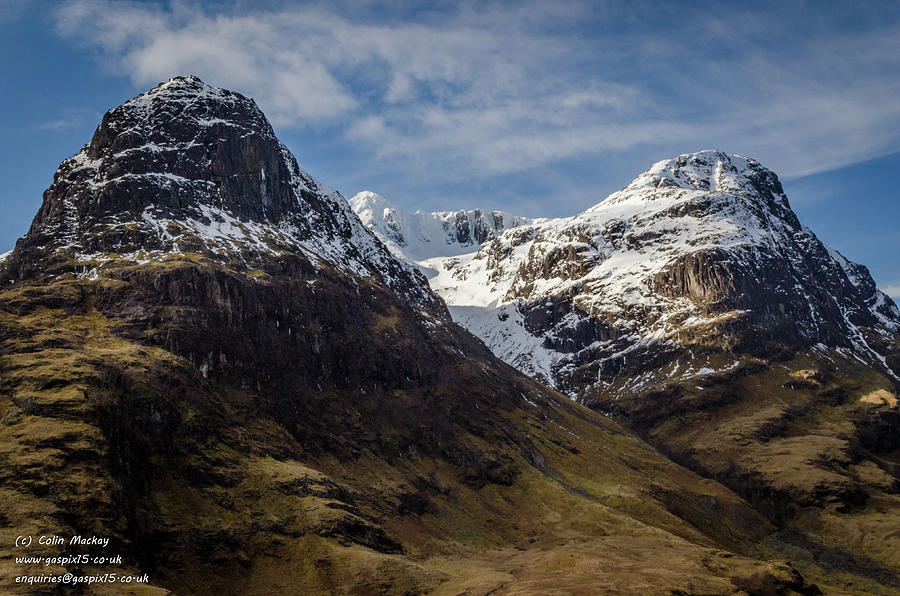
(68, 119)
(893, 290)
(11, 10)
(488, 89)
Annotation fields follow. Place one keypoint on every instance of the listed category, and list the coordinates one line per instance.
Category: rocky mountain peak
(373, 209)
(700, 250)
(703, 170)
(719, 177)
(186, 133)
(368, 201)
(188, 168)
(179, 102)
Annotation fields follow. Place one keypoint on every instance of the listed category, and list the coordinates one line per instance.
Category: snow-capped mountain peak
(703, 170)
(714, 179)
(418, 235)
(701, 249)
(191, 168)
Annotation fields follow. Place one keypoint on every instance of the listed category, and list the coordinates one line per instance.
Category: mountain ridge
(695, 309)
(618, 263)
(225, 374)
(415, 236)
(203, 172)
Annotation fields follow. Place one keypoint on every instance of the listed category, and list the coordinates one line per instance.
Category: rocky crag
(419, 235)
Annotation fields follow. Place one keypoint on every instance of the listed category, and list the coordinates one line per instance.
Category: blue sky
(536, 108)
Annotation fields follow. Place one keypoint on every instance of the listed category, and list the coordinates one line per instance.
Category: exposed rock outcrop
(700, 251)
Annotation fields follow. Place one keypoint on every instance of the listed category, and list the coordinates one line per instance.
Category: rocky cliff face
(188, 168)
(416, 236)
(209, 360)
(702, 250)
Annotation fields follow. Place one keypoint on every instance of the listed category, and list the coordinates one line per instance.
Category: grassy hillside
(243, 431)
(812, 442)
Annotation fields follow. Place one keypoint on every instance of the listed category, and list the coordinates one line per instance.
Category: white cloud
(270, 56)
(57, 124)
(70, 118)
(494, 89)
(893, 290)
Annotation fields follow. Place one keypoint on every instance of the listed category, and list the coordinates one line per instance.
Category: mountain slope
(700, 250)
(694, 307)
(207, 359)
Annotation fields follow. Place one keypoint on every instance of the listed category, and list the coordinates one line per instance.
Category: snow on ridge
(419, 235)
(604, 260)
(704, 170)
(222, 233)
(184, 90)
(625, 239)
(848, 267)
(323, 228)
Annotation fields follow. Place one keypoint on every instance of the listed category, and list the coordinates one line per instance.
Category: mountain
(207, 359)
(700, 250)
(418, 236)
(220, 183)
(693, 307)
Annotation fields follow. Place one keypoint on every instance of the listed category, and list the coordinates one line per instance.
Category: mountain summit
(694, 308)
(699, 250)
(190, 168)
